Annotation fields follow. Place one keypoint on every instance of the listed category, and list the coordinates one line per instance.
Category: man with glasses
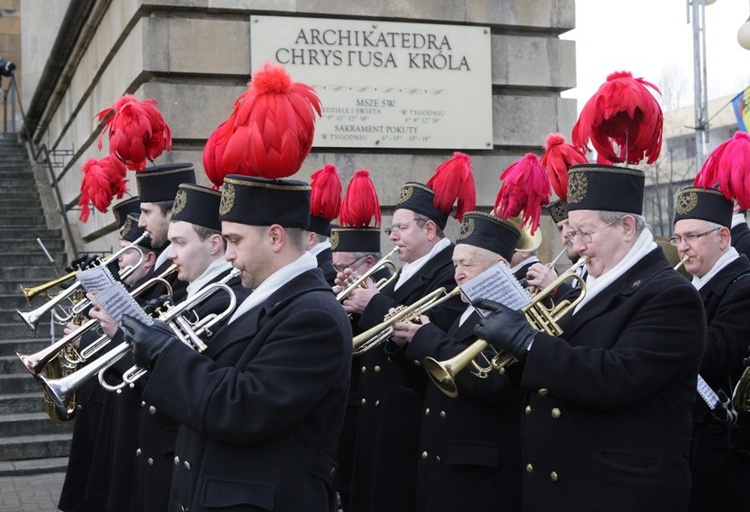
(385, 468)
(608, 410)
(722, 277)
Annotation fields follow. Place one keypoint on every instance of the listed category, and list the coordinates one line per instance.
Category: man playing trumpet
(469, 445)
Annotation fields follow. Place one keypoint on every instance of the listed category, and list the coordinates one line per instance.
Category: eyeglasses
(396, 228)
(677, 240)
(585, 237)
(341, 268)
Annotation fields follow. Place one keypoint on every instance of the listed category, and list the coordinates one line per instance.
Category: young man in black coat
(609, 401)
(261, 409)
(197, 248)
(469, 444)
(722, 277)
(390, 410)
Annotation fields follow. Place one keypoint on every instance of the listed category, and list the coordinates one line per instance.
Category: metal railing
(41, 155)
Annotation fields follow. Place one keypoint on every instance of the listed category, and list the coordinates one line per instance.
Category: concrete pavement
(37, 493)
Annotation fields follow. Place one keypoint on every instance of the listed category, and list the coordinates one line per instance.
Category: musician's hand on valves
(359, 298)
(403, 332)
(146, 342)
(106, 323)
(504, 328)
(540, 276)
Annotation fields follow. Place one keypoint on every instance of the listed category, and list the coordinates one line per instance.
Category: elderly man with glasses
(390, 410)
(722, 277)
(607, 417)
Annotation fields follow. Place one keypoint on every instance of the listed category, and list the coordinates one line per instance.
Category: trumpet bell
(527, 242)
(442, 375)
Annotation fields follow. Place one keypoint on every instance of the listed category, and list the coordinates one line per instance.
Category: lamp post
(697, 16)
(743, 35)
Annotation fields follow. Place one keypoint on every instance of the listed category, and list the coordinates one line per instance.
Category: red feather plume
(213, 159)
(103, 179)
(137, 131)
(525, 188)
(728, 167)
(325, 196)
(271, 130)
(361, 204)
(622, 120)
(453, 182)
(557, 160)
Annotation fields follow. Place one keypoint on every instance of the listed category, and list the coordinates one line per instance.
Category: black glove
(504, 328)
(82, 263)
(146, 342)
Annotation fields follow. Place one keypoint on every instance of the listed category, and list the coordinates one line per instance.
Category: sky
(653, 39)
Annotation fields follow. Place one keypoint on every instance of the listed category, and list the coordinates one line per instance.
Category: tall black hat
(131, 232)
(605, 187)
(262, 202)
(160, 183)
(452, 182)
(704, 204)
(489, 232)
(125, 208)
(360, 217)
(197, 205)
(558, 210)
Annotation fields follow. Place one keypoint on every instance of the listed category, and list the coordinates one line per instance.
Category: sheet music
(499, 284)
(96, 279)
(116, 301)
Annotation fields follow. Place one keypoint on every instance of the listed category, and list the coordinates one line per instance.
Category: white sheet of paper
(96, 279)
(499, 284)
(116, 301)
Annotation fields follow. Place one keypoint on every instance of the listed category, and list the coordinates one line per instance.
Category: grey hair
(640, 222)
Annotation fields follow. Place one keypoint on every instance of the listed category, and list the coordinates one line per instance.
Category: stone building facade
(194, 58)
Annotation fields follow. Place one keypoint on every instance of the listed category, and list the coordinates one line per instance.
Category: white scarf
(725, 259)
(275, 281)
(318, 248)
(595, 285)
(217, 267)
(465, 316)
(738, 218)
(527, 261)
(410, 269)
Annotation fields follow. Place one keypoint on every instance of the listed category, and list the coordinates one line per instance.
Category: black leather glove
(146, 342)
(504, 328)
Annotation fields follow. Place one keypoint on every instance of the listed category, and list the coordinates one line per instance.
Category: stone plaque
(383, 84)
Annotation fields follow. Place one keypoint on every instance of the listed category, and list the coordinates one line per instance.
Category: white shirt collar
(275, 281)
(410, 269)
(725, 259)
(320, 247)
(216, 268)
(738, 218)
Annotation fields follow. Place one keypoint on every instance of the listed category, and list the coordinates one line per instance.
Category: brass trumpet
(32, 318)
(37, 361)
(380, 333)
(61, 390)
(539, 316)
(359, 281)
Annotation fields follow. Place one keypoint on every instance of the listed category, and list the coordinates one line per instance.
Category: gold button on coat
(556, 412)
(553, 476)
(528, 409)
(529, 468)
(425, 455)
(543, 392)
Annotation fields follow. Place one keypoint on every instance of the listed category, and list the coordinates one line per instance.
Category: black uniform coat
(157, 432)
(261, 409)
(470, 446)
(608, 422)
(385, 468)
(741, 238)
(348, 437)
(325, 263)
(112, 471)
(720, 475)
